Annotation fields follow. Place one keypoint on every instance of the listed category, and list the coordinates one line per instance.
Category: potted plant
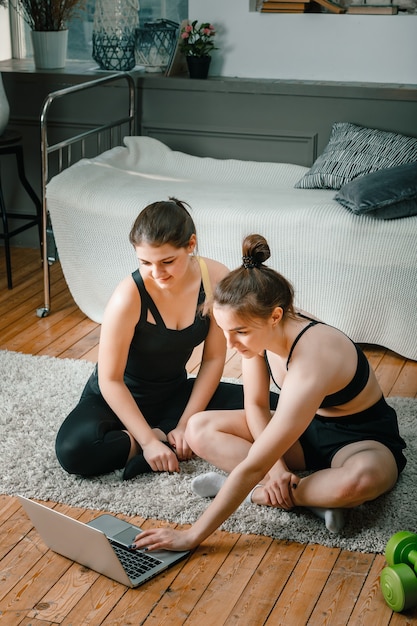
(48, 20)
(196, 43)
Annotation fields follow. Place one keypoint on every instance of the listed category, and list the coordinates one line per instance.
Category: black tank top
(352, 389)
(158, 355)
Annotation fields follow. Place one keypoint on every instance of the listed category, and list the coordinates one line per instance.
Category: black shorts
(326, 436)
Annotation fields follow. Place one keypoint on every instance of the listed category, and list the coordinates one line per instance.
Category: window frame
(21, 47)
(19, 35)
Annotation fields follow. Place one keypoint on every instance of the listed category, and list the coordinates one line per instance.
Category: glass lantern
(155, 44)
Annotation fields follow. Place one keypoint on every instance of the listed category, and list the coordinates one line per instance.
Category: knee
(360, 486)
(197, 431)
(71, 456)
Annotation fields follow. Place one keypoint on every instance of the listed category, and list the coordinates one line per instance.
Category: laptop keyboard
(134, 562)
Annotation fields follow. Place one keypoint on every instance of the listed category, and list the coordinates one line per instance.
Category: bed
(354, 269)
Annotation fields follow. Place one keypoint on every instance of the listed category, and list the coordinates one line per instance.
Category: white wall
(312, 46)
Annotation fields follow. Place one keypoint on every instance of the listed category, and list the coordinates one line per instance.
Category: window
(80, 30)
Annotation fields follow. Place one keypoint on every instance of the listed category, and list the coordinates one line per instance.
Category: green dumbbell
(399, 580)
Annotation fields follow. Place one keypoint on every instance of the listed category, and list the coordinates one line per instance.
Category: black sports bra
(352, 389)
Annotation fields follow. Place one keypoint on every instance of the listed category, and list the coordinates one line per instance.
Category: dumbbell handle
(412, 557)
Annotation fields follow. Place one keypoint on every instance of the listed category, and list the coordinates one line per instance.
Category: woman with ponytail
(331, 417)
(134, 410)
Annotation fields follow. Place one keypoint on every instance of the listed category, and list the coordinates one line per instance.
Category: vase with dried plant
(48, 22)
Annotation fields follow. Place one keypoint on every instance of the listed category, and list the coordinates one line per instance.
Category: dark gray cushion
(354, 151)
(386, 194)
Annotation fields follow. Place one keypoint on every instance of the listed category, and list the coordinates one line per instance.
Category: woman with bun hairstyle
(331, 417)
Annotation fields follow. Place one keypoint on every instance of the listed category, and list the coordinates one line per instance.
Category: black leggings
(92, 440)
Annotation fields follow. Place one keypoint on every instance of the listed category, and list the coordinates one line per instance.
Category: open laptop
(102, 544)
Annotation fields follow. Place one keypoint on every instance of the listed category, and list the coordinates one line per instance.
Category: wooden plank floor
(230, 579)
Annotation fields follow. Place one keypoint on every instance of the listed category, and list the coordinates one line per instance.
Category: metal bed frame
(67, 152)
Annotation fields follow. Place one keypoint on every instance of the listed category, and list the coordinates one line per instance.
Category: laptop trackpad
(126, 537)
(115, 528)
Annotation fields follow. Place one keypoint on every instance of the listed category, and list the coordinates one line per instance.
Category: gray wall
(263, 120)
(288, 121)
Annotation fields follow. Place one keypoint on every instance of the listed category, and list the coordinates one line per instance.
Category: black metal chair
(11, 143)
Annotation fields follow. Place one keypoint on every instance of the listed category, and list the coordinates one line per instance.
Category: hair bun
(255, 251)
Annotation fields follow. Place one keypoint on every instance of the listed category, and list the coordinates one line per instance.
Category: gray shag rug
(36, 393)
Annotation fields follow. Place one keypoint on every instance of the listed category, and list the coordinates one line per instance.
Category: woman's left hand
(163, 539)
(279, 490)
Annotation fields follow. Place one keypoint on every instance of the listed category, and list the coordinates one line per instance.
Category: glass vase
(114, 34)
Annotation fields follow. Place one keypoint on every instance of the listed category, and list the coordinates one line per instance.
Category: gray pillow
(386, 194)
(354, 151)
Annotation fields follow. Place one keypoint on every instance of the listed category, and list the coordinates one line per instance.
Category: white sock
(249, 496)
(208, 485)
(333, 518)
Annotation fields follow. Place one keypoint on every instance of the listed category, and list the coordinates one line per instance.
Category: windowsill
(72, 68)
(88, 69)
